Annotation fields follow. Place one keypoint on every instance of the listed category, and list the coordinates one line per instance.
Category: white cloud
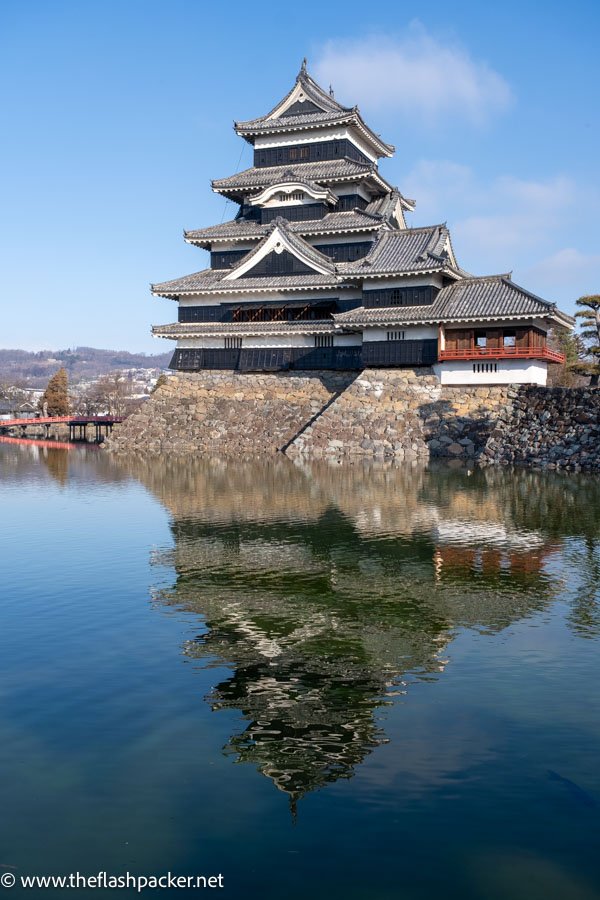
(512, 224)
(568, 274)
(415, 74)
(570, 265)
(495, 224)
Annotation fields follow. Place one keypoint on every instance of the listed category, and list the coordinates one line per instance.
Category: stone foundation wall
(404, 413)
(401, 413)
(554, 428)
(226, 413)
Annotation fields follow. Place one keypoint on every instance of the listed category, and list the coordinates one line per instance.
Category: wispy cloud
(568, 268)
(497, 222)
(512, 224)
(415, 74)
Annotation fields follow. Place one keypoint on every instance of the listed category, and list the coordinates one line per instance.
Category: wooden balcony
(483, 353)
(478, 344)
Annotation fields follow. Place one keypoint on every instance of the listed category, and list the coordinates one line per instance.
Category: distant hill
(33, 369)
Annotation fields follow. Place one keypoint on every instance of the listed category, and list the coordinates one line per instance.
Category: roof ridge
(311, 87)
(295, 240)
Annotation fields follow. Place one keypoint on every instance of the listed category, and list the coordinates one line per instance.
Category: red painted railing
(58, 420)
(475, 353)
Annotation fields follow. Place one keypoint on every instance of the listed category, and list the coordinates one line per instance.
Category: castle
(320, 271)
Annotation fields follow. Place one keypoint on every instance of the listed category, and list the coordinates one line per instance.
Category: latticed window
(396, 335)
(485, 367)
(233, 343)
(323, 340)
(296, 153)
(286, 198)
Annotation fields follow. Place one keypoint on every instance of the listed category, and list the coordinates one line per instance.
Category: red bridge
(77, 424)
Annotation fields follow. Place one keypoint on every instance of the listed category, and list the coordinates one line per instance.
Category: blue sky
(116, 115)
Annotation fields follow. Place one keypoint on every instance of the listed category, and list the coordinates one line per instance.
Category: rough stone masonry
(379, 413)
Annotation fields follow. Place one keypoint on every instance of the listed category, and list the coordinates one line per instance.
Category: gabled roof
(400, 251)
(312, 92)
(323, 172)
(278, 238)
(381, 211)
(469, 299)
(394, 253)
(322, 110)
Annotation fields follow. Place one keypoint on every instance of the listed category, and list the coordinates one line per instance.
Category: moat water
(351, 681)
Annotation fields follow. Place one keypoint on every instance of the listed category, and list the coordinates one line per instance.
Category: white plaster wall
(196, 301)
(222, 246)
(347, 340)
(411, 332)
(195, 343)
(509, 371)
(344, 190)
(278, 340)
(266, 340)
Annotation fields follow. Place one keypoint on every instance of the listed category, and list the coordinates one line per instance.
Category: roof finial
(331, 94)
(303, 66)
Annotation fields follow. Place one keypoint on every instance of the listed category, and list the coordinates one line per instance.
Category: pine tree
(567, 374)
(56, 395)
(162, 379)
(590, 321)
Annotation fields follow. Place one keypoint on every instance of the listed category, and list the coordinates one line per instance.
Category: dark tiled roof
(324, 171)
(493, 296)
(395, 252)
(403, 250)
(211, 281)
(262, 124)
(314, 94)
(356, 220)
(386, 206)
(329, 112)
(217, 329)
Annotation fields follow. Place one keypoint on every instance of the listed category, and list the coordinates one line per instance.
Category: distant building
(318, 269)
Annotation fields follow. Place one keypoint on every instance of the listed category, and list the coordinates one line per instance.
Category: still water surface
(321, 681)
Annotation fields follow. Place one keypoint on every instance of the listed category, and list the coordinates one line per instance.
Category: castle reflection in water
(326, 590)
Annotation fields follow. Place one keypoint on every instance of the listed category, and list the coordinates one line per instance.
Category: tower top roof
(308, 106)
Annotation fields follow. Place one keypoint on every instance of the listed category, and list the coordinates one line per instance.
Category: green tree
(566, 374)
(162, 379)
(56, 395)
(589, 314)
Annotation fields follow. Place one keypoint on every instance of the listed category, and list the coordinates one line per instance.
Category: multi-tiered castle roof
(319, 263)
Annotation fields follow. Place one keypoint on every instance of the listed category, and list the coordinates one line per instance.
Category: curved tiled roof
(468, 299)
(314, 93)
(329, 112)
(332, 223)
(222, 329)
(210, 281)
(395, 252)
(324, 171)
(403, 250)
